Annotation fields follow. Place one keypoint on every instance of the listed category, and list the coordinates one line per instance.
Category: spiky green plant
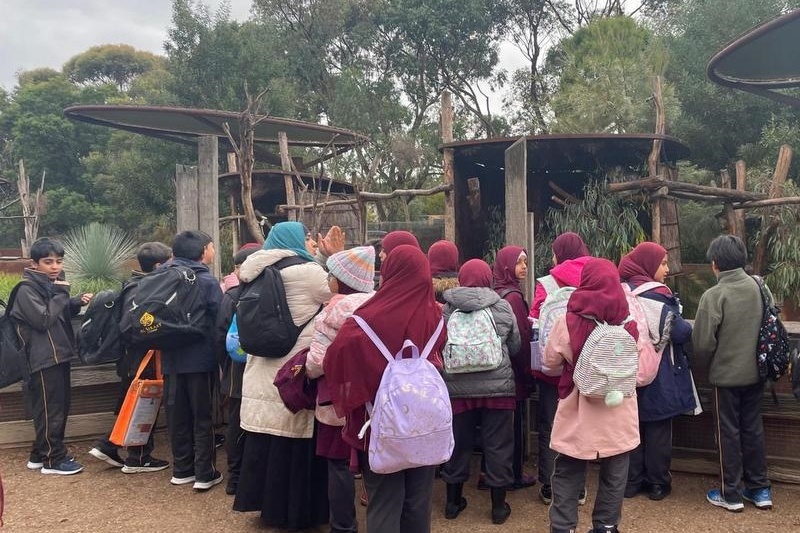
(7, 282)
(607, 223)
(95, 256)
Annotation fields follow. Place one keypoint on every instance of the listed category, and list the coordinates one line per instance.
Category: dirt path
(104, 500)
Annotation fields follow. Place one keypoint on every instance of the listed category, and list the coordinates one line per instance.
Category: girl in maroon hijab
(586, 429)
(671, 393)
(443, 259)
(511, 266)
(393, 239)
(570, 254)
(404, 308)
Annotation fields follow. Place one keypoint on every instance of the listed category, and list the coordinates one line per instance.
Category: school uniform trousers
(49, 402)
(651, 460)
(740, 439)
(569, 479)
(545, 414)
(497, 437)
(399, 502)
(189, 419)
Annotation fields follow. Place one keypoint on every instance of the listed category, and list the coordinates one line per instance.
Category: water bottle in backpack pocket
(232, 345)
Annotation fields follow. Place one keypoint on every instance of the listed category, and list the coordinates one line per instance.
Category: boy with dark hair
(149, 255)
(189, 375)
(42, 312)
(725, 331)
(232, 371)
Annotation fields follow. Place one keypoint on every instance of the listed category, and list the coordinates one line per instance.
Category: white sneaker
(182, 480)
(34, 466)
(205, 485)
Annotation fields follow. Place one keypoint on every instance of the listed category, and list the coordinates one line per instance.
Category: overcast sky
(47, 33)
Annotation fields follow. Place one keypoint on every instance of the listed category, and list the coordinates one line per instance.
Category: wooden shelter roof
(763, 59)
(570, 153)
(185, 125)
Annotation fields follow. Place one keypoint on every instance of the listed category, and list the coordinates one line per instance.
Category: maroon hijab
(641, 264)
(599, 296)
(404, 308)
(443, 258)
(568, 246)
(475, 273)
(505, 264)
(393, 239)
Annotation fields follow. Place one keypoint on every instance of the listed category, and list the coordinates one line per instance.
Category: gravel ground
(102, 499)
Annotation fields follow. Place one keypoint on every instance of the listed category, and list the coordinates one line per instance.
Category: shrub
(96, 256)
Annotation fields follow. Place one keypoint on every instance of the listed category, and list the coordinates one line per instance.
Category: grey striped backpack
(607, 364)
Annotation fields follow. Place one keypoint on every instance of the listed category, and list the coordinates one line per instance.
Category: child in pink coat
(586, 429)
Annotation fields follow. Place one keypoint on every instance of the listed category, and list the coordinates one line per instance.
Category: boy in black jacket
(189, 375)
(150, 255)
(232, 371)
(42, 312)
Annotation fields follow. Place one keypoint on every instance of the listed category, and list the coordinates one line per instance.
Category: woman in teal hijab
(292, 236)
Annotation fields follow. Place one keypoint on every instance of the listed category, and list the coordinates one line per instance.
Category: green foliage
(607, 223)
(496, 228)
(698, 227)
(95, 256)
(605, 79)
(715, 121)
(110, 63)
(7, 282)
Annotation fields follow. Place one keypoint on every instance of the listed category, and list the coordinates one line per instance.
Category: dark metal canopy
(571, 153)
(763, 59)
(184, 125)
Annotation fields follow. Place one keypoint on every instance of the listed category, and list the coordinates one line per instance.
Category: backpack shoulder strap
(292, 260)
(373, 337)
(429, 346)
(761, 287)
(549, 283)
(644, 287)
(505, 292)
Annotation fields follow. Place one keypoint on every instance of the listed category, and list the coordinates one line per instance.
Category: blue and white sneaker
(761, 498)
(66, 467)
(714, 497)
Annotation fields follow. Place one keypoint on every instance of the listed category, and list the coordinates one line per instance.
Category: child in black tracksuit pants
(150, 255)
(190, 373)
(42, 312)
(232, 372)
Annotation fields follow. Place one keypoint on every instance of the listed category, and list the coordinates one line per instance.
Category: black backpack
(13, 361)
(773, 350)
(167, 310)
(99, 338)
(266, 328)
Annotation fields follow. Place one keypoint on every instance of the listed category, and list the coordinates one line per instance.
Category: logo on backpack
(473, 344)
(168, 309)
(266, 327)
(607, 365)
(411, 418)
(773, 351)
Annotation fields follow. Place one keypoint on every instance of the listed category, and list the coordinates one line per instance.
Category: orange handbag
(139, 410)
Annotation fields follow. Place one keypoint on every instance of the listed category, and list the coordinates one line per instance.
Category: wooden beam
(448, 167)
(771, 202)
(657, 182)
(286, 166)
(781, 170)
(208, 193)
(570, 198)
(741, 185)
(516, 195)
(369, 196)
(186, 197)
(727, 208)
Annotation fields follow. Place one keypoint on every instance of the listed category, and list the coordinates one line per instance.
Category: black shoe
(452, 510)
(631, 491)
(604, 529)
(108, 456)
(501, 514)
(205, 485)
(230, 488)
(148, 464)
(219, 440)
(546, 494)
(659, 492)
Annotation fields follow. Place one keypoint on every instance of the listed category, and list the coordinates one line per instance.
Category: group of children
(298, 469)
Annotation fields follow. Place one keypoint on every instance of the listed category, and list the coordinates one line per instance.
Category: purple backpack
(411, 418)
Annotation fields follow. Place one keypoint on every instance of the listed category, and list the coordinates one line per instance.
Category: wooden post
(516, 181)
(781, 170)
(235, 229)
(208, 192)
(730, 214)
(769, 223)
(286, 166)
(740, 214)
(448, 171)
(186, 197)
